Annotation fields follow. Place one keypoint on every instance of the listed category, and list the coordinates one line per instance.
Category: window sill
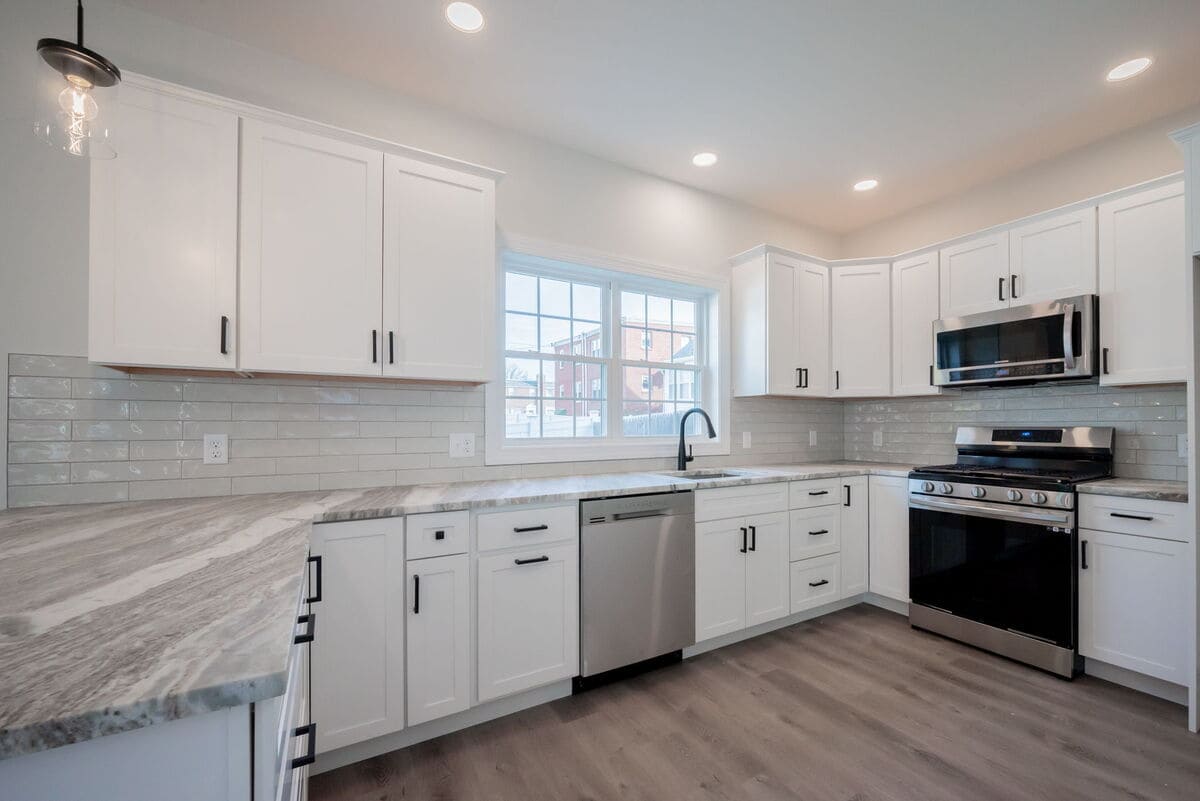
(584, 451)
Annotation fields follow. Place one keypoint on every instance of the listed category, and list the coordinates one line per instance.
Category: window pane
(520, 332)
(636, 382)
(687, 386)
(556, 297)
(658, 346)
(683, 349)
(557, 418)
(586, 339)
(660, 384)
(589, 419)
(521, 419)
(633, 344)
(521, 378)
(658, 311)
(635, 419)
(520, 292)
(684, 315)
(590, 380)
(633, 308)
(556, 336)
(588, 302)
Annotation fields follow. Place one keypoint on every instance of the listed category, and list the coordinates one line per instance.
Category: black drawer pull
(439, 535)
(818, 532)
(310, 629)
(310, 755)
(315, 598)
(527, 529)
(416, 595)
(1083, 555)
(820, 583)
(532, 561)
(819, 492)
(1145, 518)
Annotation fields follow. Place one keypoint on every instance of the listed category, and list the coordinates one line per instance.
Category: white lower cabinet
(767, 568)
(528, 618)
(815, 582)
(720, 578)
(854, 537)
(358, 657)
(888, 516)
(438, 637)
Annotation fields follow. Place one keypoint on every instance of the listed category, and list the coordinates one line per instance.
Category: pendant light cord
(79, 20)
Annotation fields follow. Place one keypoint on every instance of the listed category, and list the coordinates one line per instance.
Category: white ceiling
(800, 98)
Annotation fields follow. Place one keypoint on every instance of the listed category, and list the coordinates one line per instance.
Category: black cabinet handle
(316, 597)
(310, 628)
(847, 503)
(1001, 290)
(391, 347)
(820, 583)
(310, 755)
(416, 595)
(753, 538)
(743, 548)
(439, 535)
(1124, 516)
(818, 532)
(535, 560)
(374, 346)
(819, 492)
(1104, 360)
(837, 379)
(805, 378)
(799, 380)
(931, 375)
(527, 529)
(1012, 286)
(224, 335)
(1083, 555)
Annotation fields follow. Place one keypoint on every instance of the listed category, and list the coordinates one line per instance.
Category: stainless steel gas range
(993, 545)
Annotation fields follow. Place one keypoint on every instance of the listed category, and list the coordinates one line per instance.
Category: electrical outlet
(877, 438)
(812, 438)
(462, 446)
(745, 440)
(216, 448)
(1182, 445)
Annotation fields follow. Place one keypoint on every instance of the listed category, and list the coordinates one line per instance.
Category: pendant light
(73, 96)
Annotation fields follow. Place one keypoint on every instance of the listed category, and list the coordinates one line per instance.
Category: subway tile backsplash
(82, 433)
(1148, 421)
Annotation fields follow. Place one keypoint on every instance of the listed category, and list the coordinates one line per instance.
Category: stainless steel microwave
(1052, 341)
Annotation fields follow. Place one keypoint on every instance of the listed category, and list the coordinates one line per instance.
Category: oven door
(1009, 567)
(1041, 341)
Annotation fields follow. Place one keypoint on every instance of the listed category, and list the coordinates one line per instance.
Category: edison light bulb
(78, 110)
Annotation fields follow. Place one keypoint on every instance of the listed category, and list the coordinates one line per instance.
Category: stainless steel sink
(698, 475)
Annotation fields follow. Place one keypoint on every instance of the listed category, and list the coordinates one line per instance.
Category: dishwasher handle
(645, 513)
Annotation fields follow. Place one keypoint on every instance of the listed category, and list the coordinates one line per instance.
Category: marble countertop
(1150, 489)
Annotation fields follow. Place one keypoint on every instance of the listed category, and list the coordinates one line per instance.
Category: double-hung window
(597, 363)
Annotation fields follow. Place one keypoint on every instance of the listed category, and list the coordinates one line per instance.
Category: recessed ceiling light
(704, 159)
(465, 17)
(1127, 70)
(865, 185)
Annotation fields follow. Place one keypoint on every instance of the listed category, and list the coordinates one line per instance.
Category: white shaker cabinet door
(974, 275)
(862, 330)
(163, 236)
(528, 619)
(813, 329)
(854, 536)
(358, 653)
(1053, 258)
(1144, 329)
(767, 581)
(914, 311)
(311, 253)
(439, 273)
(438, 634)
(888, 514)
(721, 547)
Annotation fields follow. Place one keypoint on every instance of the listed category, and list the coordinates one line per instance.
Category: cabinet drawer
(1166, 520)
(526, 526)
(815, 582)
(723, 503)
(436, 534)
(815, 532)
(822, 492)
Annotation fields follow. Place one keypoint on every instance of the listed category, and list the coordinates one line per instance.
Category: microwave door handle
(1069, 336)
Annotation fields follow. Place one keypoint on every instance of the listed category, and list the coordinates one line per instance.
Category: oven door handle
(1011, 513)
(1068, 336)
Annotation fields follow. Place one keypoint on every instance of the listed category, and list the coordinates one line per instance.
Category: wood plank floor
(852, 706)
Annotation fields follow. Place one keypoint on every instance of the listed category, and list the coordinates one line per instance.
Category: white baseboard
(1168, 691)
(883, 602)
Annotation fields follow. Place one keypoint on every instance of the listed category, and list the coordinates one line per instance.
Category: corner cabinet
(163, 236)
(780, 326)
(861, 314)
(914, 311)
(1144, 320)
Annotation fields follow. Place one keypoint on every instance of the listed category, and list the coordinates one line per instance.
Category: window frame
(711, 355)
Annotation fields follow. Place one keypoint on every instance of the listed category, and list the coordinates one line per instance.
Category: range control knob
(1037, 497)
(1015, 495)
(946, 489)
(927, 486)
(978, 492)
(1065, 500)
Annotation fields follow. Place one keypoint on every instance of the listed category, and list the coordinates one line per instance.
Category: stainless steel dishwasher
(637, 566)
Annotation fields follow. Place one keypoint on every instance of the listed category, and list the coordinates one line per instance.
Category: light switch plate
(812, 438)
(462, 446)
(216, 449)
(877, 438)
(745, 440)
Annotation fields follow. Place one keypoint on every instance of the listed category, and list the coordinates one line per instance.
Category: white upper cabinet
(1053, 258)
(163, 236)
(1189, 142)
(1144, 333)
(974, 275)
(914, 311)
(439, 267)
(311, 253)
(780, 326)
(862, 330)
